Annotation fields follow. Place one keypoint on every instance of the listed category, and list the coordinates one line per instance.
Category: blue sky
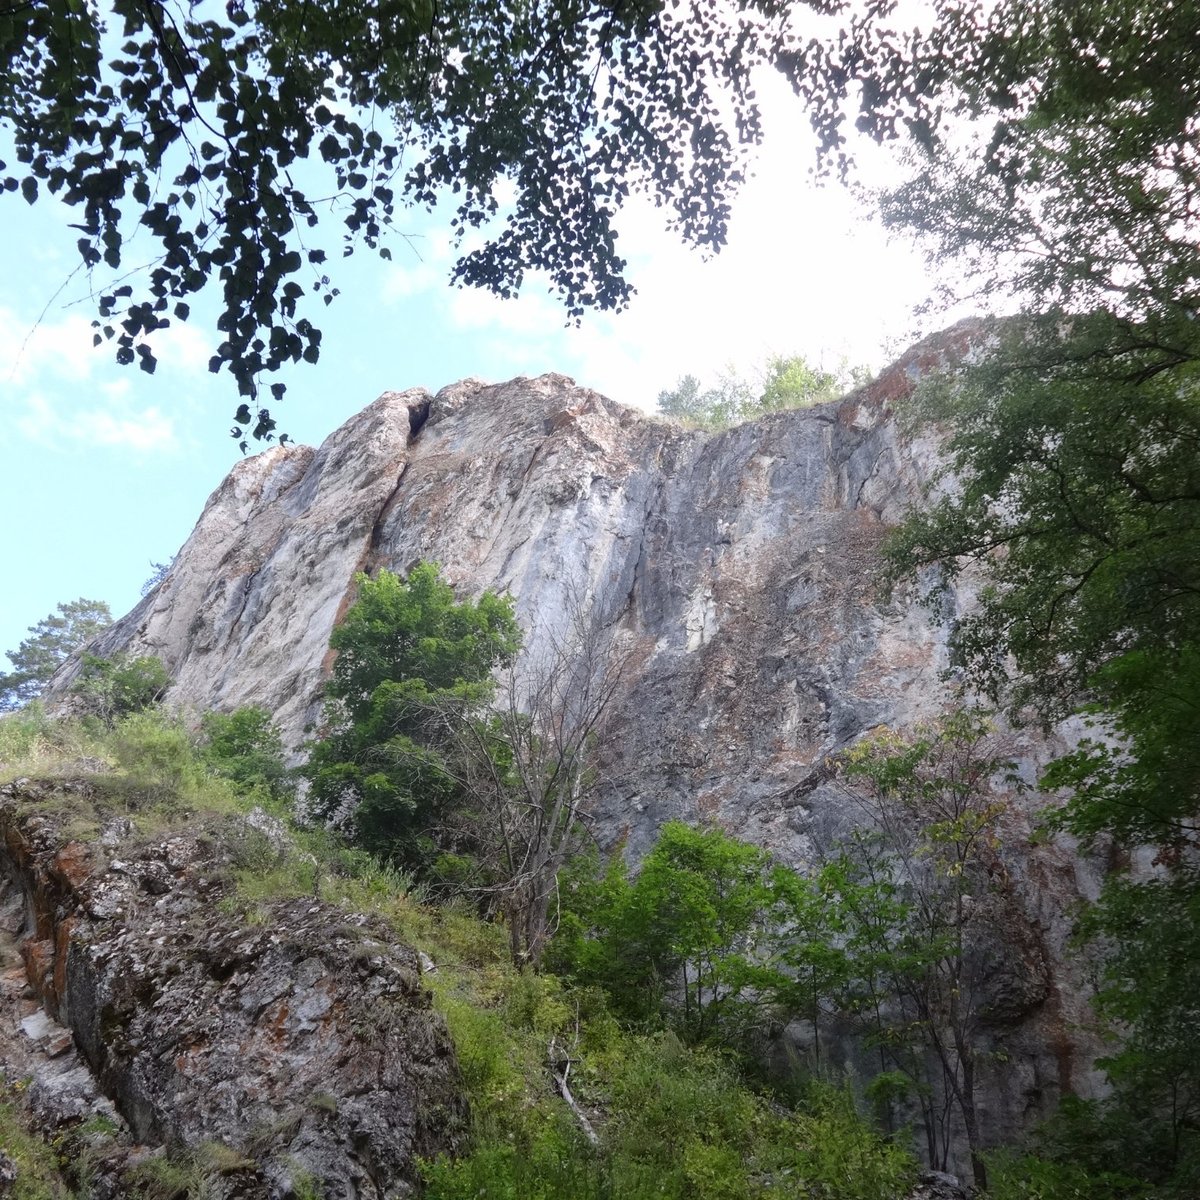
(104, 469)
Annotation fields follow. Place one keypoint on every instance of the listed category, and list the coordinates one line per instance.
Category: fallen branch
(560, 1069)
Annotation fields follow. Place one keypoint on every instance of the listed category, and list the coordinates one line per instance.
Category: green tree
(185, 125)
(783, 383)
(687, 940)
(699, 911)
(811, 966)
(245, 746)
(935, 800)
(715, 408)
(1072, 446)
(160, 571)
(412, 664)
(1073, 187)
(117, 687)
(53, 640)
(793, 382)
(1072, 443)
(1150, 991)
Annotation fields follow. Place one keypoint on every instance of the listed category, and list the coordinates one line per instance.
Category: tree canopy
(175, 134)
(1072, 487)
(184, 126)
(411, 661)
(52, 640)
(783, 382)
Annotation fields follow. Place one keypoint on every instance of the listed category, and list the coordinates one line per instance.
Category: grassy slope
(673, 1121)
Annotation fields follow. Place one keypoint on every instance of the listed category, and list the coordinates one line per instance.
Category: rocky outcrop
(735, 573)
(299, 1047)
(739, 565)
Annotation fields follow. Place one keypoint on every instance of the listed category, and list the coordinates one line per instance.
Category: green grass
(37, 1164)
(34, 744)
(675, 1123)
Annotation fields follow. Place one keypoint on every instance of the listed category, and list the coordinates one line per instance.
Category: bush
(681, 1123)
(1027, 1177)
(28, 734)
(112, 688)
(781, 383)
(839, 1155)
(411, 662)
(556, 1165)
(684, 941)
(158, 754)
(245, 747)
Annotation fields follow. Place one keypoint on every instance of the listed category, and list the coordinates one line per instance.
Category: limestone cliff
(740, 565)
(737, 570)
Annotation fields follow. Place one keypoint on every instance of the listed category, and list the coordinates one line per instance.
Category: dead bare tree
(530, 770)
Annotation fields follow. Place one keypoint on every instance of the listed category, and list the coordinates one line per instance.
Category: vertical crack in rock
(247, 588)
(652, 496)
(367, 559)
(418, 414)
(382, 515)
(867, 480)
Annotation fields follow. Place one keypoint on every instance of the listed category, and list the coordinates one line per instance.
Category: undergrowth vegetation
(671, 1120)
(33, 1163)
(571, 1096)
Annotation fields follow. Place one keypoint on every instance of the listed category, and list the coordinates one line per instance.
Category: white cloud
(62, 348)
(118, 423)
(62, 391)
(404, 279)
(182, 347)
(65, 349)
(533, 316)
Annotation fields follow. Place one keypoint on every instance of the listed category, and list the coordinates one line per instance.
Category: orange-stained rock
(203, 1030)
(39, 960)
(71, 866)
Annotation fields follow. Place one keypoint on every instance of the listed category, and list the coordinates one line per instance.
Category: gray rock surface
(735, 572)
(300, 1044)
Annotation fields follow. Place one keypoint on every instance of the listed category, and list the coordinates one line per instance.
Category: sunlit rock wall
(736, 574)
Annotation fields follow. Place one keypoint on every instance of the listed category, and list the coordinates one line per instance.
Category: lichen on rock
(301, 1045)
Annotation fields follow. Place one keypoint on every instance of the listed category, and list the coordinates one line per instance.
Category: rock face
(735, 573)
(302, 1046)
(739, 565)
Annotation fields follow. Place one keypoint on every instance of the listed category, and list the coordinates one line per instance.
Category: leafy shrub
(556, 1165)
(1027, 1177)
(684, 940)
(157, 753)
(839, 1156)
(112, 688)
(23, 734)
(681, 1123)
(246, 748)
(537, 1003)
(411, 662)
(782, 383)
(489, 1058)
